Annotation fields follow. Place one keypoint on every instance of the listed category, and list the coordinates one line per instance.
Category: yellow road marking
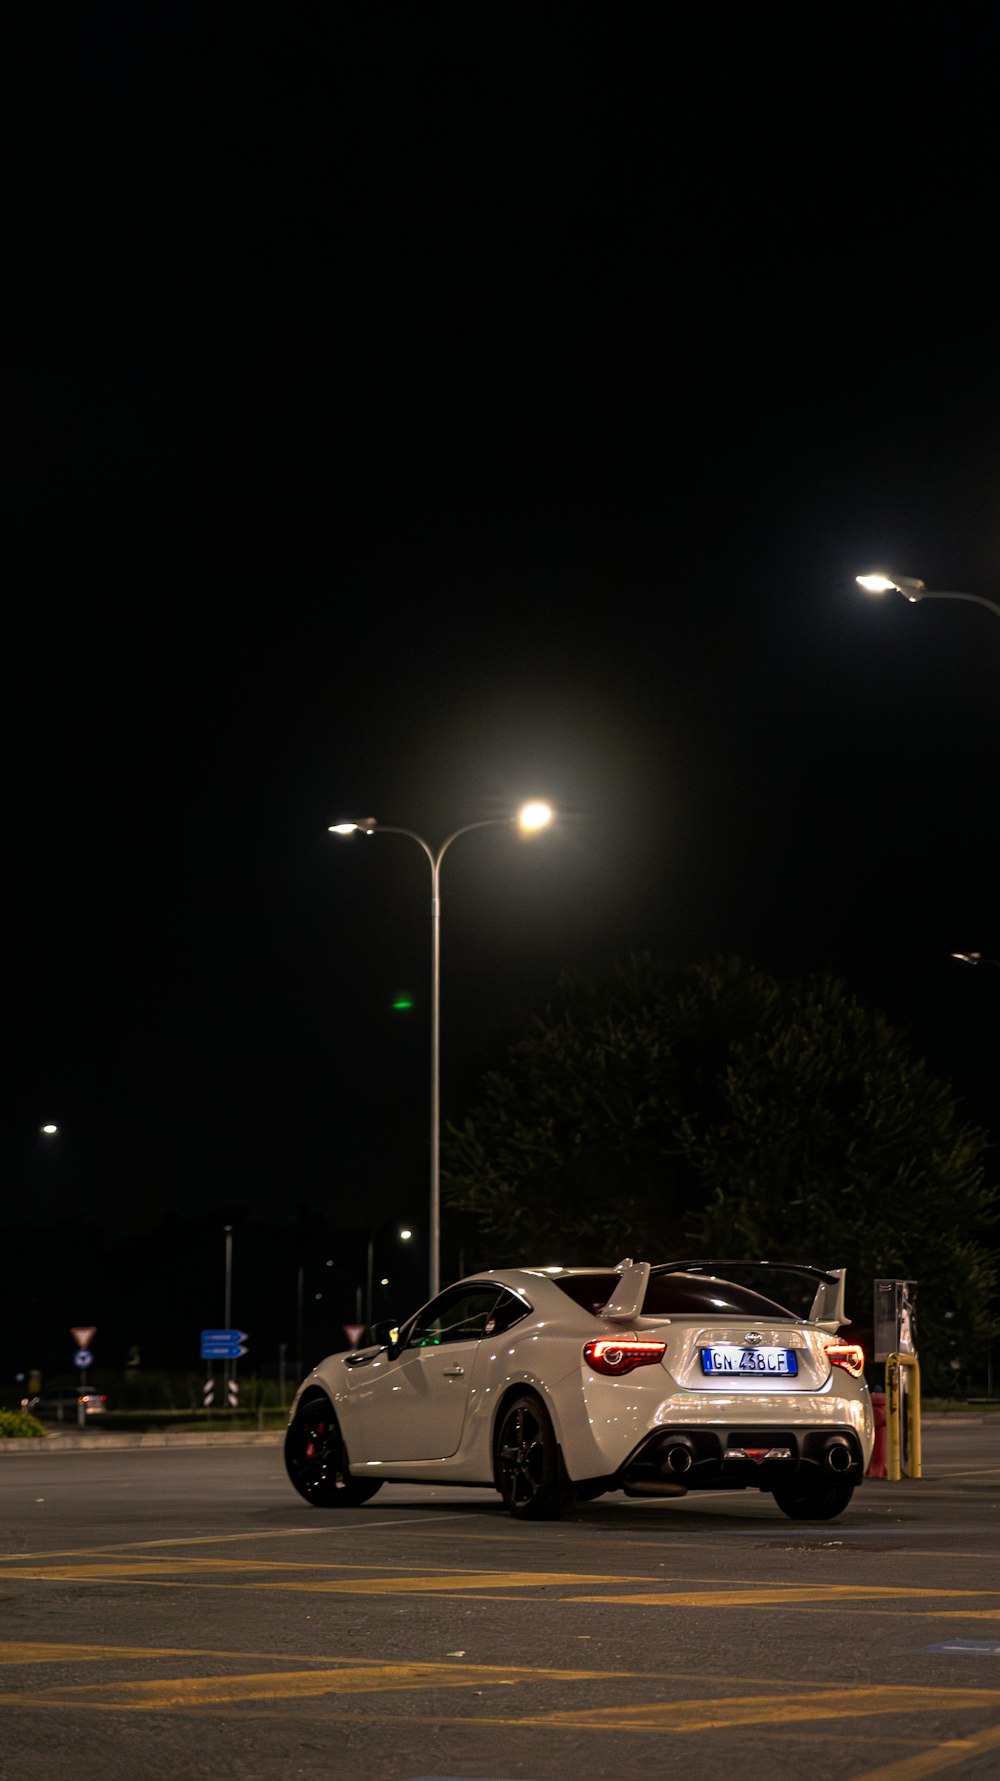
(275, 1533)
(781, 1595)
(142, 1570)
(699, 1715)
(796, 1704)
(771, 1709)
(206, 1572)
(970, 1614)
(32, 1651)
(212, 1691)
(931, 1762)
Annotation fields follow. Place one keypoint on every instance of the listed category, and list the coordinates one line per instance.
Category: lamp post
(914, 590)
(531, 817)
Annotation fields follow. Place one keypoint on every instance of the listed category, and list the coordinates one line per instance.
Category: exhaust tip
(678, 1459)
(838, 1456)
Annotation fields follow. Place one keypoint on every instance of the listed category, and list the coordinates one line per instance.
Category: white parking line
(274, 1533)
(976, 1472)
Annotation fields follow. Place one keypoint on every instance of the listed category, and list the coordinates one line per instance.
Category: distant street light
(975, 958)
(914, 590)
(530, 818)
(50, 1130)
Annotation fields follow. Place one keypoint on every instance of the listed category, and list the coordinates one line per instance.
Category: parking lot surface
(178, 1611)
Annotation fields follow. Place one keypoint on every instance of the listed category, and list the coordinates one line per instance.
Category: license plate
(726, 1359)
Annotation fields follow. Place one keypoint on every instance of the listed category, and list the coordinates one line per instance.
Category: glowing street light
(534, 815)
(50, 1130)
(531, 817)
(914, 590)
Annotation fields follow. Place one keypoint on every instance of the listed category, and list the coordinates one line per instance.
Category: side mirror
(387, 1334)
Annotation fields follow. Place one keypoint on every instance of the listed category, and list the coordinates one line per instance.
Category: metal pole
(227, 1366)
(370, 827)
(435, 1219)
(941, 594)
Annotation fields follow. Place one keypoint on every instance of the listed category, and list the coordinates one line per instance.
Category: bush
(18, 1424)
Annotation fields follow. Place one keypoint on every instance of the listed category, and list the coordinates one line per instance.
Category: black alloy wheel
(814, 1499)
(316, 1459)
(529, 1470)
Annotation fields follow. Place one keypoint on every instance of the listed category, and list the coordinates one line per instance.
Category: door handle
(454, 1372)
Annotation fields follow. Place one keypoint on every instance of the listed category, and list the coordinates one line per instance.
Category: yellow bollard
(893, 1444)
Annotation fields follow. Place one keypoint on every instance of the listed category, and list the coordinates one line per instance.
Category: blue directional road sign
(223, 1344)
(83, 1358)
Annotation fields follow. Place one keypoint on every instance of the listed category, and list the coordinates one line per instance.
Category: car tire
(316, 1458)
(529, 1472)
(817, 1499)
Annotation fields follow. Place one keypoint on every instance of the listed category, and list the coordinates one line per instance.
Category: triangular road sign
(354, 1332)
(83, 1337)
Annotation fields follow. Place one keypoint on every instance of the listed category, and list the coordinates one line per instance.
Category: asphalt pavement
(176, 1611)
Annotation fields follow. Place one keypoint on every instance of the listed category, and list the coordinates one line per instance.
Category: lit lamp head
(366, 826)
(907, 585)
(534, 815)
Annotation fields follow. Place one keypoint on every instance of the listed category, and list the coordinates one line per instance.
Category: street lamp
(529, 819)
(914, 590)
(975, 958)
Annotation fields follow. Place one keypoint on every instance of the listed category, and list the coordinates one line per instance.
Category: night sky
(413, 409)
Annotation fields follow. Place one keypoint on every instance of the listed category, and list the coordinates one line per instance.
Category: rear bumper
(735, 1456)
(603, 1424)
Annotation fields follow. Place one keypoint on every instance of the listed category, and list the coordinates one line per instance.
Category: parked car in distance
(64, 1406)
(560, 1384)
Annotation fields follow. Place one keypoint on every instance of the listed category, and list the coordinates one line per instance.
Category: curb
(60, 1443)
(949, 1419)
(159, 1439)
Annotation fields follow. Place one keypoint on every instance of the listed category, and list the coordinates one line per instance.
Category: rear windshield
(673, 1295)
(681, 1295)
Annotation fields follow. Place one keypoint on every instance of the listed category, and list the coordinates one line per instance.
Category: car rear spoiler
(626, 1301)
(827, 1308)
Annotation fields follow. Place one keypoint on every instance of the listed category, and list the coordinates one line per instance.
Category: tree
(719, 1111)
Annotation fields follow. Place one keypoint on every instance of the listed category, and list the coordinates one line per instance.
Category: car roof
(526, 1281)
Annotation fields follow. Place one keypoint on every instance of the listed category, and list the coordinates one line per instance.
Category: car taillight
(847, 1355)
(614, 1358)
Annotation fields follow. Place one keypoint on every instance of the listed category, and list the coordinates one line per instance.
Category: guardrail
(894, 1367)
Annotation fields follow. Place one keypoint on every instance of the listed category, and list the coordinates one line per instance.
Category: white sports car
(557, 1384)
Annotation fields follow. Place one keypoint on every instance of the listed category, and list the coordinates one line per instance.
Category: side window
(458, 1315)
(507, 1311)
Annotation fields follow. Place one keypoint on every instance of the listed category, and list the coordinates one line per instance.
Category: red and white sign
(354, 1332)
(84, 1337)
